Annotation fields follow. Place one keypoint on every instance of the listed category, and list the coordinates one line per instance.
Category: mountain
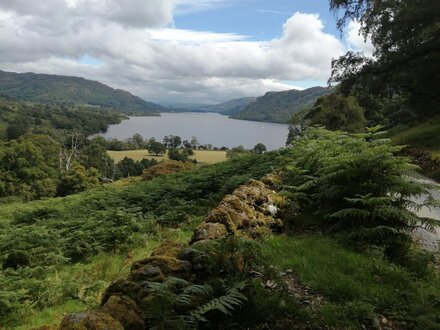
(278, 107)
(232, 106)
(225, 108)
(44, 88)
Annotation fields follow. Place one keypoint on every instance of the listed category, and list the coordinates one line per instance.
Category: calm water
(209, 128)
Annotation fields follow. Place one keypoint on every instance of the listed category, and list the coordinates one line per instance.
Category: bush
(356, 185)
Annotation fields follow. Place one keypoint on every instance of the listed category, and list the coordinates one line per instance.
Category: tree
(172, 141)
(186, 144)
(194, 142)
(156, 148)
(24, 172)
(127, 167)
(17, 128)
(259, 148)
(236, 152)
(337, 112)
(77, 179)
(138, 141)
(406, 60)
(175, 154)
(95, 155)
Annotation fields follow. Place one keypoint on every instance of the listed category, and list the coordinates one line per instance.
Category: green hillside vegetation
(43, 88)
(424, 136)
(18, 118)
(48, 236)
(225, 108)
(278, 107)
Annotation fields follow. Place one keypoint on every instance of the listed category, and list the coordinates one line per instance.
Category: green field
(202, 156)
(425, 136)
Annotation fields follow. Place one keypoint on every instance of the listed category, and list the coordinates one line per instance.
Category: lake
(209, 128)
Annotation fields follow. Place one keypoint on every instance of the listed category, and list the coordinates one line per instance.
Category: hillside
(227, 108)
(18, 118)
(278, 107)
(44, 88)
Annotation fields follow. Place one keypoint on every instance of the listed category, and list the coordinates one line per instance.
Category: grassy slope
(425, 136)
(356, 286)
(56, 289)
(202, 156)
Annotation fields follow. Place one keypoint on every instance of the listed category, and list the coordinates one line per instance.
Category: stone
(169, 266)
(124, 288)
(272, 179)
(169, 249)
(209, 231)
(147, 273)
(90, 321)
(126, 311)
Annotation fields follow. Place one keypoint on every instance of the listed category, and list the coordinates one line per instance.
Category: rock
(124, 310)
(375, 323)
(221, 215)
(209, 231)
(271, 179)
(289, 271)
(90, 321)
(169, 249)
(169, 266)
(272, 209)
(124, 288)
(147, 273)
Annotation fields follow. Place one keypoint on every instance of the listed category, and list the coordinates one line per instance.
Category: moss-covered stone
(169, 266)
(221, 215)
(208, 231)
(272, 179)
(147, 273)
(90, 321)
(169, 249)
(126, 311)
(126, 288)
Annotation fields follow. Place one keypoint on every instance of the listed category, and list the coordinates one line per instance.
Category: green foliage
(177, 304)
(355, 184)
(77, 179)
(402, 74)
(237, 152)
(278, 107)
(336, 112)
(24, 172)
(59, 232)
(259, 148)
(21, 118)
(178, 155)
(156, 148)
(128, 167)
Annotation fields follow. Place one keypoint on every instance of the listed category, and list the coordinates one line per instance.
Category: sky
(178, 51)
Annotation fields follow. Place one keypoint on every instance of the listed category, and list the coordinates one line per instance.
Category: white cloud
(135, 48)
(356, 41)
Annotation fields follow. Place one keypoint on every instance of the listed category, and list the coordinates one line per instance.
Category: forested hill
(226, 108)
(278, 107)
(44, 88)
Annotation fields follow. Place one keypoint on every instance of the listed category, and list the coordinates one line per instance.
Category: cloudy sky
(177, 51)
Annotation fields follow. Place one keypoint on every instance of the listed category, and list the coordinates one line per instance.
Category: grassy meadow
(202, 156)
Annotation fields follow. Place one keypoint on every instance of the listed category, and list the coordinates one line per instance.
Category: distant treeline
(19, 118)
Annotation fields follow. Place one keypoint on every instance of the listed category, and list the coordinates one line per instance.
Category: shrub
(358, 186)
